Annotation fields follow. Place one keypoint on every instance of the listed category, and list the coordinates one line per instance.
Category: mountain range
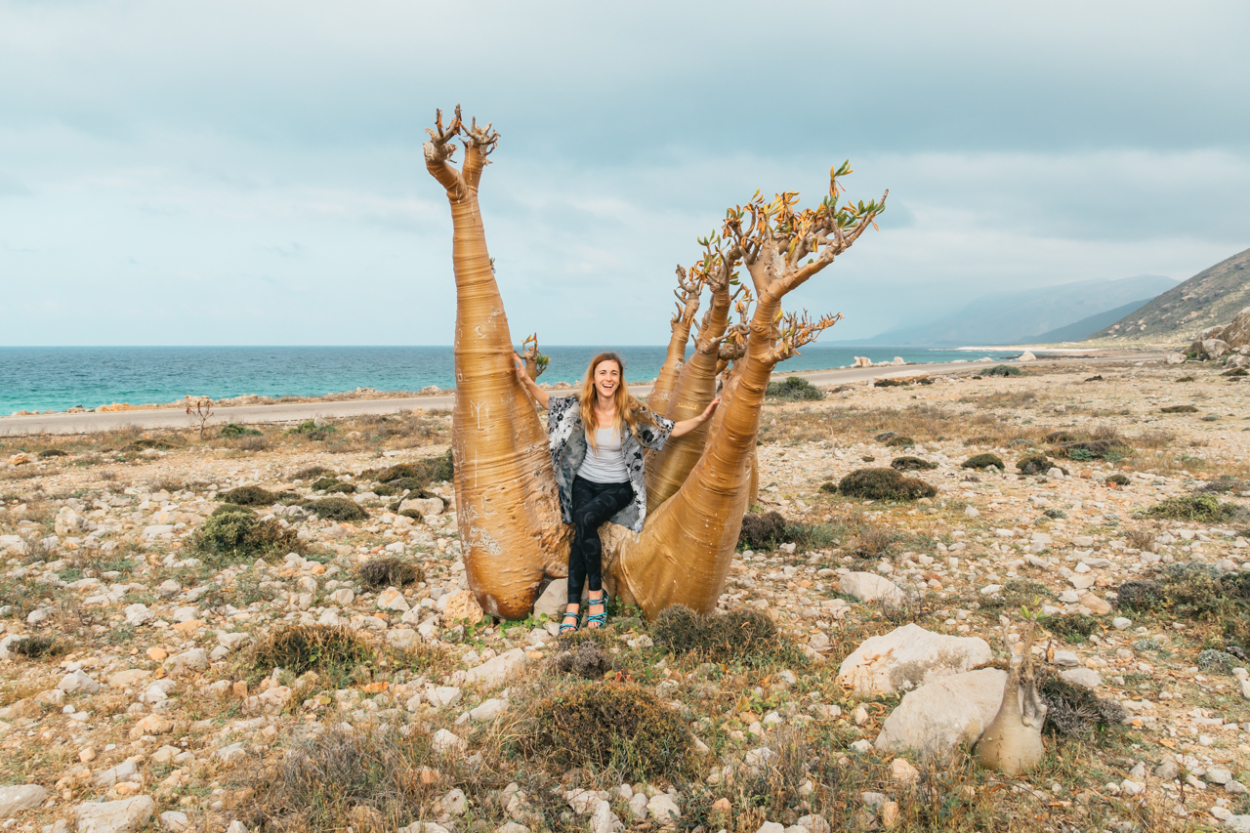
(1213, 296)
(1066, 312)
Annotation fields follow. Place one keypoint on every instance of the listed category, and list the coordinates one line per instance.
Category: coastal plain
(148, 674)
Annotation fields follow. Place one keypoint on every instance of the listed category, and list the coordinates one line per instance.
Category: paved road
(297, 412)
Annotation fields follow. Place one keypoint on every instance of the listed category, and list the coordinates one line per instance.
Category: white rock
(122, 816)
(603, 820)
(971, 511)
(445, 741)
(174, 821)
(392, 599)
(1120, 623)
(425, 507)
(405, 639)
(1238, 824)
(138, 614)
(940, 715)
(1067, 659)
(1087, 677)
(496, 671)
(907, 658)
(1132, 787)
(442, 696)
(23, 797)
(663, 809)
(196, 659)
(867, 587)
(78, 681)
(771, 827)
(489, 710)
(553, 600)
(1027, 356)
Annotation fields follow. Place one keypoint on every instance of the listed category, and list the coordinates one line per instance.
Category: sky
(250, 172)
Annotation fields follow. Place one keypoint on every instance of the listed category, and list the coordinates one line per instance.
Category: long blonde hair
(629, 411)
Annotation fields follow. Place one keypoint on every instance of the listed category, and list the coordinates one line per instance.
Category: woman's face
(607, 378)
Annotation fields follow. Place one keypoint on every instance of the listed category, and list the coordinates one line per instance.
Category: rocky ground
(152, 677)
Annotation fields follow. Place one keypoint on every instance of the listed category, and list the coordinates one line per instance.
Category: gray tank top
(605, 464)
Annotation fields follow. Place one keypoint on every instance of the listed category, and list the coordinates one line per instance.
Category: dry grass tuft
(616, 726)
(389, 572)
(742, 635)
(234, 533)
(336, 509)
(333, 651)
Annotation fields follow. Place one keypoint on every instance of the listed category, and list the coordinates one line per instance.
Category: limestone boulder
(907, 658)
(942, 714)
(463, 607)
(1237, 334)
(14, 800)
(495, 672)
(123, 816)
(869, 587)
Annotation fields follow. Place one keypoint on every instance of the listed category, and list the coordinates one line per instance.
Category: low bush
(1037, 464)
(231, 430)
(421, 473)
(740, 634)
(1224, 484)
(911, 464)
(310, 429)
(250, 496)
(583, 659)
(900, 442)
(984, 461)
(1190, 590)
(343, 778)
(883, 484)
(234, 533)
(1074, 627)
(794, 389)
(1003, 370)
(1073, 710)
(1206, 508)
(615, 726)
(389, 572)
(332, 484)
(37, 647)
(336, 509)
(311, 473)
(1219, 662)
(51, 452)
(762, 530)
(409, 487)
(1179, 409)
(335, 652)
(1109, 449)
(1117, 479)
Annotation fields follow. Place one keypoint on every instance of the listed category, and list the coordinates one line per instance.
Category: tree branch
(439, 152)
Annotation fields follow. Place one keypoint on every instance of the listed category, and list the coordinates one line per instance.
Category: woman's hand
(540, 395)
(684, 427)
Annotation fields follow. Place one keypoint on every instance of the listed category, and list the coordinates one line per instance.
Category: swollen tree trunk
(668, 468)
(687, 292)
(508, 509)
(1012, 743)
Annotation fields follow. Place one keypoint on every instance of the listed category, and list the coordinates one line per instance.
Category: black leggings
(593, 504)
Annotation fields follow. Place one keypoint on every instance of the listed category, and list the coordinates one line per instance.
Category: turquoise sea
(57, 378)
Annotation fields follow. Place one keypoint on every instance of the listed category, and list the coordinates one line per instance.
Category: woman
(596, 439)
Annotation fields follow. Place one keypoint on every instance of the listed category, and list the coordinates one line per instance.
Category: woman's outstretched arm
(540, 395)
(688, 425)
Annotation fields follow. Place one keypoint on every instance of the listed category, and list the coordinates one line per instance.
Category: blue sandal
(567, 628)
(595, 621)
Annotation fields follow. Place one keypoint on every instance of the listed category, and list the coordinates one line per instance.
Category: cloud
(273, 150)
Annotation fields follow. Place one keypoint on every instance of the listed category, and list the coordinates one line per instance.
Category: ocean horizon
(59, 378)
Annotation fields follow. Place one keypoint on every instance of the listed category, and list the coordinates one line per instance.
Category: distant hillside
(1213, 296)
(1022, 317)
(1088, 326)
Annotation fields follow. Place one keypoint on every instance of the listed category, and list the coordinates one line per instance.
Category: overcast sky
(251, 173)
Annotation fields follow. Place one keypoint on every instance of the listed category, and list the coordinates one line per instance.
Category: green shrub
(883, 484)
(1074, 627)
(900, 442)
(1118, 479)
(51, 452)
(332, 484)
(1082, 450)
(250, 496)
(1003, 370)
(1219, 662)
(335, 652)
(1205, 508)
(37, 647)
(231, 429)
(984, 461)
(237, 534)
(310, 429)
(336, 509)
(794, 389)
(584, 659)
(410, 487)
(608, 725)
(911, 464)
(420, 473)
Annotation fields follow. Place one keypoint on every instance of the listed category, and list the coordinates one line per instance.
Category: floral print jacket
(568, 450)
